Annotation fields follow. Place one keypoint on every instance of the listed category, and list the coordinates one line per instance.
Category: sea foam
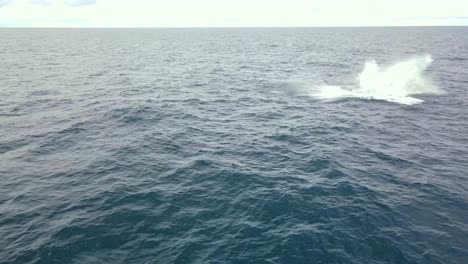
(396, 83)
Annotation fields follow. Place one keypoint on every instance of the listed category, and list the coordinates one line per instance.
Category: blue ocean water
(234, 145)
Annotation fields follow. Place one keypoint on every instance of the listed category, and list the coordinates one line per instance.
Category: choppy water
(213, 146)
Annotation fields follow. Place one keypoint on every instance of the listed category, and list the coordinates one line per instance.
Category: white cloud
(40, 2)
(80, 2)
(222, 13)
(4, 2)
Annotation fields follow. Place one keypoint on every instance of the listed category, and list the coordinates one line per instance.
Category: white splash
(396, 83)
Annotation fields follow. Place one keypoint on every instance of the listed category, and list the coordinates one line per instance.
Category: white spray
(394, 84)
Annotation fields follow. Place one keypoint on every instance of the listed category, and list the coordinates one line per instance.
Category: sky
(231, 13)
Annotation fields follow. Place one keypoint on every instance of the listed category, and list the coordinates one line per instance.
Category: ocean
(234, 145)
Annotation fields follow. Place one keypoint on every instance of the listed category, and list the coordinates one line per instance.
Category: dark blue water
(204, 146)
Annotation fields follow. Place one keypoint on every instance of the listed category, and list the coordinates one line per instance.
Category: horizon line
(218, 27)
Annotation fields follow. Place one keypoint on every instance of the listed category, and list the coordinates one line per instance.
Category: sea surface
(286, 145)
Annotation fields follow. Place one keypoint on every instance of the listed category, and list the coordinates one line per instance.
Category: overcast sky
(231, 13)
